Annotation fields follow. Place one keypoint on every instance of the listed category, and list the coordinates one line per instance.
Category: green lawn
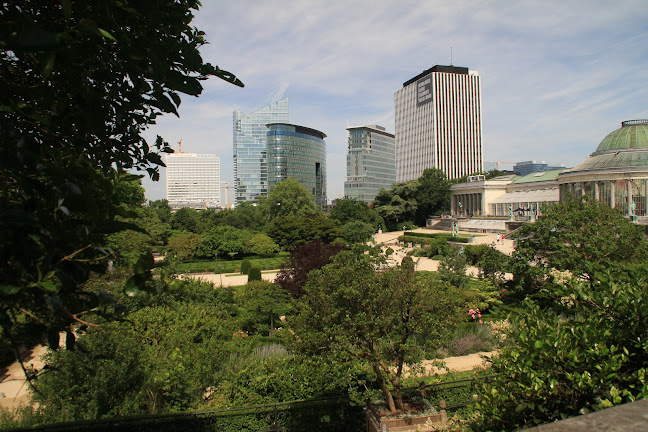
(233, 266)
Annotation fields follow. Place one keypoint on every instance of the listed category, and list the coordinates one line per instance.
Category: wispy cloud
(557, 76)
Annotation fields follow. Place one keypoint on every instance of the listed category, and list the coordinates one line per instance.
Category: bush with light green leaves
(585, 352)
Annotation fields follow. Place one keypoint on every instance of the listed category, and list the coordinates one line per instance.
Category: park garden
(132, 341)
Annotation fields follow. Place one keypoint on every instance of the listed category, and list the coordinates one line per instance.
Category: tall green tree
(245, 216)
(186, 219)
(184, 246)
(382, 319)
(357, 232)
(259, 244)
(80, 83)
(162, 210)
(290, 198)
(292, 231)
(432, 195)
(352, 210)
(398, 204)
(223, 241)
(261, 304)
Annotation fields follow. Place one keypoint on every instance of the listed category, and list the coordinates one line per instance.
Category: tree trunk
(385, 389)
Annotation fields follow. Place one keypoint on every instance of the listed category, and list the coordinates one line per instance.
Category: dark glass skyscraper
(298, 152)
(250, 131)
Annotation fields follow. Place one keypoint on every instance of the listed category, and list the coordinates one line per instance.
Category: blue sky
(556, 76)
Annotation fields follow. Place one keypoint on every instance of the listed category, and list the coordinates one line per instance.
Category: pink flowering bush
(239, 334)
(475, 314)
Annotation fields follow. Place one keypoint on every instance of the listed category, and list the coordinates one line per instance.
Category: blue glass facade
(300, 153)
(249, 146)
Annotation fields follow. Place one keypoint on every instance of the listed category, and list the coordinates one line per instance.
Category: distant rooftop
(438, 68)
(507, 177)
(539, 176)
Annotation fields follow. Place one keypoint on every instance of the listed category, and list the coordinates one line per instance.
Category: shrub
(475, 252)
(254, 274)
(245, 266)
(471, 338)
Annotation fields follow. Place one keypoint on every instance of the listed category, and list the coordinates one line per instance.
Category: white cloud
(556, 76)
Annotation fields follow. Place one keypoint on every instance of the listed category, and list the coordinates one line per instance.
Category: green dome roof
(633, 134)
(624, 149)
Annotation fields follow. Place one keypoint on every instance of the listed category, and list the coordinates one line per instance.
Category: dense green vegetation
(577, 339)
(232, 266)
(190, 348)
(83, 80)
(81, 83)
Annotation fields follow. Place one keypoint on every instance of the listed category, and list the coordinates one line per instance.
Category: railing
(456, 394)
(316, 415)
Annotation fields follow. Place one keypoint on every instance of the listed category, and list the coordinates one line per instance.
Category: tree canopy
(432, 195)
(290, 198)
(580, 236)
(352, 210)
(353, 313)
(81, 81)
(397, 205)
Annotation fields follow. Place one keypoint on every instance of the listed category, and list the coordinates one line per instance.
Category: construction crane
(227, 200)
(497, 164)
(180, 147)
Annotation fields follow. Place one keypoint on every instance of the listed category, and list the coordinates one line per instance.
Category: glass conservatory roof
(623, 149)
(632, 134)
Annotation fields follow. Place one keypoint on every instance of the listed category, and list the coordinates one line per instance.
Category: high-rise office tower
(297, 152)
(371, 162)
(192, 180)
(250, 131)
(438, 123)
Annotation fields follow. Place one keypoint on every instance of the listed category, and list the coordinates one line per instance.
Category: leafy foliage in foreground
(81, 81)
(581, 236)
(190, 348)
(579, 341)
(586, 353)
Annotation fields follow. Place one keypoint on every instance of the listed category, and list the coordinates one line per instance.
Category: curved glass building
(616, 173)
(250, 170)
(298, 152)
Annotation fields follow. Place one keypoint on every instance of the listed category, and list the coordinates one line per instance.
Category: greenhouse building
(616, 173)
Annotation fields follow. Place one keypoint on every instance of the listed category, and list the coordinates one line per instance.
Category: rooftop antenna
(450, 56)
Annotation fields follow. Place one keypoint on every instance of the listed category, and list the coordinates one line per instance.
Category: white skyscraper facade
(192, 180)
(249, 148)
(438, 123)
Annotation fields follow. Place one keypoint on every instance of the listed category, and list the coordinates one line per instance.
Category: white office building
(438, 122)
(193, 180)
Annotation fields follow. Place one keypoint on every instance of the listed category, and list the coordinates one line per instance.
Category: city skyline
(555, 76)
